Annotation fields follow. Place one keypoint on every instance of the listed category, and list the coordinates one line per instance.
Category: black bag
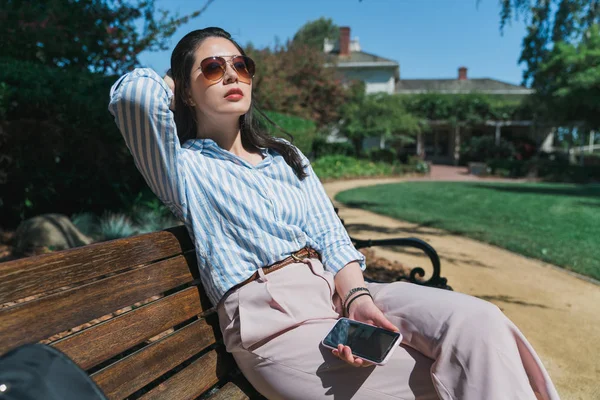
(37, 371)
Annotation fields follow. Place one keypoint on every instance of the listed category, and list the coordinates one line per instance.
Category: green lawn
(556, 223)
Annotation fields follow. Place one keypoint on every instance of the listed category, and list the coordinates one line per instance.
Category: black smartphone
(368, 342)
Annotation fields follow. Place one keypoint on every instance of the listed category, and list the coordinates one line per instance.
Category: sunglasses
(213, 68)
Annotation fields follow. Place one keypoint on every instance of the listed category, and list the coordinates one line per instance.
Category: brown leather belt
(306, 252)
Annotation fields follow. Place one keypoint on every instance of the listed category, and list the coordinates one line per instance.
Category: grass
(557, 223)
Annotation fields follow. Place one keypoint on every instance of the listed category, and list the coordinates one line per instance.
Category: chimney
(462, 73)
(344, 41)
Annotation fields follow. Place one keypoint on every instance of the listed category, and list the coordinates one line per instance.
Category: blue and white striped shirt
(240, 217)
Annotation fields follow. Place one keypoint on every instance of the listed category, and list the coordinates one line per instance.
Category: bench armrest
(435, 280)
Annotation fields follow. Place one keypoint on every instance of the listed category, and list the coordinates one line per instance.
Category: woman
(251, 201)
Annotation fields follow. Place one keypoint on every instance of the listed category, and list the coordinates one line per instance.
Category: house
(379, 74)
(440, 144)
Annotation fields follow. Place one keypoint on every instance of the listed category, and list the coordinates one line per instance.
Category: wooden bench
(132, 313)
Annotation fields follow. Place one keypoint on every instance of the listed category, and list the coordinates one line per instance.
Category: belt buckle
(296, 258)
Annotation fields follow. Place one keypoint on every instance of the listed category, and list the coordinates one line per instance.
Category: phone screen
(366, 341)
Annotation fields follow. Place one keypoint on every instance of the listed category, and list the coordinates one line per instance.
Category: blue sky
(429, 38)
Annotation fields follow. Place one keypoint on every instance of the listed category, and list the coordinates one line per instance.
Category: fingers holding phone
(356, 342)
(345, 354)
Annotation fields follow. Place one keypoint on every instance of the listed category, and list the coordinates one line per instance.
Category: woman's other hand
(364, 310)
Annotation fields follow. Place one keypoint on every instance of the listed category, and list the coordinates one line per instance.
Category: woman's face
(229, 95)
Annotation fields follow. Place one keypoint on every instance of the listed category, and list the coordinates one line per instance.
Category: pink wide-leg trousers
(455, 346)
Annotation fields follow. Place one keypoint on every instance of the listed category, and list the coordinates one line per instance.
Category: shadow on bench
(132, 314)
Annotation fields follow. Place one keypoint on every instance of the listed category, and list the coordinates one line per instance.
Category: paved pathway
(449, 173)
(558, 312)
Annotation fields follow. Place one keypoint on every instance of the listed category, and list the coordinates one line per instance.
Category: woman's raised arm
(140, 102)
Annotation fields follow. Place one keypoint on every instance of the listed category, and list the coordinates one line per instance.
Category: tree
(572, 71)
(313, 33)
(293, 79)
(60, 150)
(560, 52)
(549, 22)
(379, 114)
(95, 35)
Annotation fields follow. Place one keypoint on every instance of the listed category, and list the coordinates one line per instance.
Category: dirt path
(558, 312)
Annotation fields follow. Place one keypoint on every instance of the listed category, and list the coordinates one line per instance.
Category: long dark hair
(253, 133)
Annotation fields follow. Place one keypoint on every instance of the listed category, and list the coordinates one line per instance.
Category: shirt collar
(204, 144)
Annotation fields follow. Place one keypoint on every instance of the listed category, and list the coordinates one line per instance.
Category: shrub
(510, 168)
(546, 169)
(153, 218)
(484, 149)
(386, 155)
(322, 148)
(417, 164)
(65, 153)
(88, 224)
(116, 226)
(339, 167)
(560, 172)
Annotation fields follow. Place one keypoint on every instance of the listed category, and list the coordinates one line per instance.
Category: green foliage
(546, 170)
(549, 22)
(294, 80)
(116, 226)
(148, 221)
(485, 148)
(313, 33)
(572, 75)
(561, 51)
(3, 100)
(147, 214)
(340, 167)
(468, 108)
(151, 215)
(303, 130)
(95, 35)
(553, 222)
(417, 164)
(65, 153)
(379, 114)
(88, 224)
(323, 148)
(386, 155)
(60, 149)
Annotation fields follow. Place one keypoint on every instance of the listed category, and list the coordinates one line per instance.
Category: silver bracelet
(351, 292)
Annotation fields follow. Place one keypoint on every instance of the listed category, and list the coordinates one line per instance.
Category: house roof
(361, 59)
(482, 85)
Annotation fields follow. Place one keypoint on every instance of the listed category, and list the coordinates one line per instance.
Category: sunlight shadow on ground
(422, 229)
(510, 300)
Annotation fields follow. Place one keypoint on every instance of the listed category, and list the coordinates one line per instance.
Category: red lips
(234, 91)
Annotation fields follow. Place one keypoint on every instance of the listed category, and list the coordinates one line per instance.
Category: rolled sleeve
(337, 258)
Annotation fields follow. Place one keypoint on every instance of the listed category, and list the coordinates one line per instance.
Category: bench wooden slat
(135, 371)
(192, 381)
(47, 272)
(230, 391)
(41, 318)
(107, 339)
